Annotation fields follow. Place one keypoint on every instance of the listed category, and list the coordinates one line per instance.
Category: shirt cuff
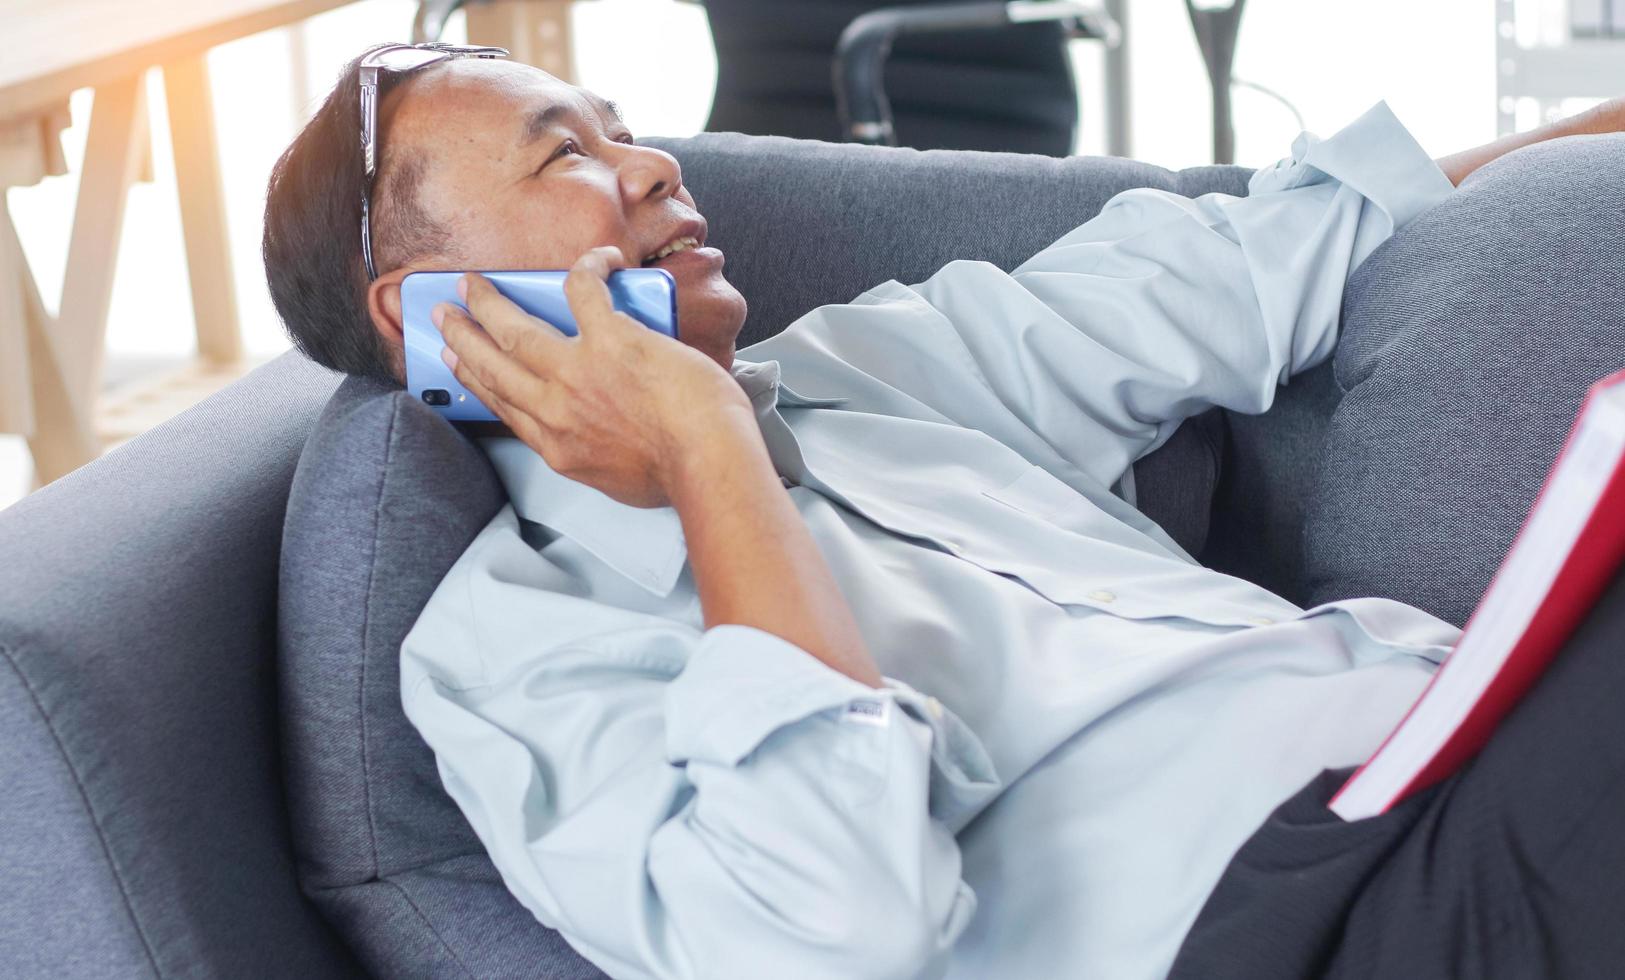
(1374, 154)
(742, 684)
(963, 779)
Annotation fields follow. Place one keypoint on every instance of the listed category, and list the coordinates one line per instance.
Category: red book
(1566, 554)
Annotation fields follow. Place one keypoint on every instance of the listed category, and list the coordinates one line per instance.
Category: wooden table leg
(113, 154)
(30, 151)
(64, 353)
(61, 436)
(203, 209)
(16, 389)
(536, 32)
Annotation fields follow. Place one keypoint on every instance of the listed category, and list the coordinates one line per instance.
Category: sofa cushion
(385, 498)
(1468, 341)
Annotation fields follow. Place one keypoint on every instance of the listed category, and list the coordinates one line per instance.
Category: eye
(568, 146)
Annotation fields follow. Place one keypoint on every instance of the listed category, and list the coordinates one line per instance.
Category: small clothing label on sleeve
(867, 711)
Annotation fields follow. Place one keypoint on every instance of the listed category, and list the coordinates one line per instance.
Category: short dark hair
(312, 240)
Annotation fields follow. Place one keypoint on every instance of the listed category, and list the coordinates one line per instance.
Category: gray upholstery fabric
(452, 919)
(386, 496)
(142, 824)
(806, 223)
(1267, 482)
(1468, 342)
(60, 886)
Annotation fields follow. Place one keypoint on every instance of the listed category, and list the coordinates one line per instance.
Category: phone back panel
(647, 295)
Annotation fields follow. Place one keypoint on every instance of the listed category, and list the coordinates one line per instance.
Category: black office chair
(996, 88)
(861, 53)
(962, 74)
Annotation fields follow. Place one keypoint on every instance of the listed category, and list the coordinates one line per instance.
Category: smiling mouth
(672, 248)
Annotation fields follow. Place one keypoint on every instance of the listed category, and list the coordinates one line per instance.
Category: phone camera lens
(437, 396)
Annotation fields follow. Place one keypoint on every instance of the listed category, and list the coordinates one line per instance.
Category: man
(874, 676)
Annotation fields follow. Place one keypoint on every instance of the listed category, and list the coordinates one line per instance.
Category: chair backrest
(999, 89)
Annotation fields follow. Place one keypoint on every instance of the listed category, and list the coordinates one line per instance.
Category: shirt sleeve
(692, 803)
(1155, 309)
(1163, 305)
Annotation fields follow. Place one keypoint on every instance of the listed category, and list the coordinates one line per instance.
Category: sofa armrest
(143, 829)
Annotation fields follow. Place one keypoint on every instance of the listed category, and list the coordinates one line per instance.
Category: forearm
(1609, 117)
(753, 559)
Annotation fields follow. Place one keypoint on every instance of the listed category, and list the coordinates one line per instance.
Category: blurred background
(1456, 72)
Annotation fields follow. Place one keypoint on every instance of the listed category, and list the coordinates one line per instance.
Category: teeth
(676, 246)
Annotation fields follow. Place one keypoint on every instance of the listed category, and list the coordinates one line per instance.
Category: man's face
(524, 171)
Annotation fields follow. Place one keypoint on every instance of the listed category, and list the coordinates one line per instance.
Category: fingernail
(462, 286)
(437, 314)
(449, 356)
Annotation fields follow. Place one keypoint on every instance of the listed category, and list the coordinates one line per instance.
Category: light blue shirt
(1080, 723)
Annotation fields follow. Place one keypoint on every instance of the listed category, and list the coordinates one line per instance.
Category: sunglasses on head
(400, 58)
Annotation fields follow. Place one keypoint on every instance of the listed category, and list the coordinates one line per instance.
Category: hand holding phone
(617, 407)
(647, 295)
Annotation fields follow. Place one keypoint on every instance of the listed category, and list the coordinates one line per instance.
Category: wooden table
(50, 367)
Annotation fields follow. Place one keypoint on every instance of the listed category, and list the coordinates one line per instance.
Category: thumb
(586, 287)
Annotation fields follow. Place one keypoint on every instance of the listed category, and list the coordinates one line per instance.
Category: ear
(384, 308)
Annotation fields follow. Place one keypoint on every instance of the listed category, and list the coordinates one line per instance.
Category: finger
(479, 358)
(587, 288)
(518, 422)
(530, 337)
(490, 399)
(524, 424)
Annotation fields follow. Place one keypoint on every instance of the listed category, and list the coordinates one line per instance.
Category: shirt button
(1101, 595)
(1260, 620)
(935, 707)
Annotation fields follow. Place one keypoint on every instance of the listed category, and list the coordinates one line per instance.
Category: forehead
(489, 103)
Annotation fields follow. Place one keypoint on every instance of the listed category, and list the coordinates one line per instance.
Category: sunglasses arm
(369, 119)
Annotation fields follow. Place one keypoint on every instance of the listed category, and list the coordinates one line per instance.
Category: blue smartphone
(647, 295)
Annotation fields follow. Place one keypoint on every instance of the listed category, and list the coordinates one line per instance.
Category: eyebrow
(539, 121)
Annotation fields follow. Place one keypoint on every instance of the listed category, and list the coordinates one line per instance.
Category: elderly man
(879, 675)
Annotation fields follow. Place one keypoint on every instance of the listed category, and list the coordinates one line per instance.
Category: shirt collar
(645, 544)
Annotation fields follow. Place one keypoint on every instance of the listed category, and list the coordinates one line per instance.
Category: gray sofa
(162, 740)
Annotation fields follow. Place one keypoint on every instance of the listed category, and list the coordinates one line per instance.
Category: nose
(647, 173)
